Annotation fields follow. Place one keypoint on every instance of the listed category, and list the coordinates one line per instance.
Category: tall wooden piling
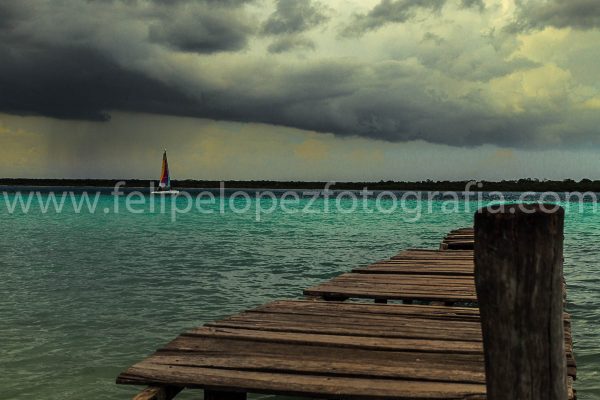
(518, 276)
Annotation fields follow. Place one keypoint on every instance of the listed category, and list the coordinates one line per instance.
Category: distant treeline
(521, 185)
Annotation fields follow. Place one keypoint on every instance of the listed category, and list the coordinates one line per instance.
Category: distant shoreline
(520, 185)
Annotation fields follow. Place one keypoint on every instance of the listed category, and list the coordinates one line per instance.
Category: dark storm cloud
(537, 14)
(385, 102)
(294, 16)
(83, 60)
(200, 31)
(53, 63)
(7, 15)
(76, 83)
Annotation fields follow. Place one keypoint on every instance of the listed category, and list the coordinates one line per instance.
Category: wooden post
(518, 275)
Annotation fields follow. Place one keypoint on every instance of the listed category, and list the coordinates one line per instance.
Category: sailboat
(164, 186)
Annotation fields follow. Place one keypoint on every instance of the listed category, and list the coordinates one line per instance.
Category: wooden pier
(459, 239)
(429, 347)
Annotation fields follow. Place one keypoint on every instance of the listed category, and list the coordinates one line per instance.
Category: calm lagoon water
(83, 296)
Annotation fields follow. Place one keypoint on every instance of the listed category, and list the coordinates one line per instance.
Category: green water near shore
(83, 296)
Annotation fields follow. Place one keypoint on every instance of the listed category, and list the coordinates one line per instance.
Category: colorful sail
(165, 179)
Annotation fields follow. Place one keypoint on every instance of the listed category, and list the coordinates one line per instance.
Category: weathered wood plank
(394, 293)
(244, 347)
(418, 278)
(366, 309)
(423, 270)
(406, 366)
(406, 330)
(437, 257)
(301, 385)
(344, 339)
(358, 319)
(363, 342)
(404, 263)
(461, 239)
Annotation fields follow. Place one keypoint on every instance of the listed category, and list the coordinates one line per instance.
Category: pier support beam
(518, 275)
(222, 395)
(158, 393)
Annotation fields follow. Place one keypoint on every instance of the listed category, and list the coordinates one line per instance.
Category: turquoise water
(83, 296)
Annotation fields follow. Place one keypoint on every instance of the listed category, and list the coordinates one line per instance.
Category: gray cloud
(202, 29)
(479, 4)
(537, 14)
(291, 42)
(476, 60)
(397, 11)
(294, 16)
(9, 14)
(389, 11)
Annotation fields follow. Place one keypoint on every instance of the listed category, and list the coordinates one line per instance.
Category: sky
(348, 90)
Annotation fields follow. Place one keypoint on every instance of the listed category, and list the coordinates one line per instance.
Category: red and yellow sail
(165, 179)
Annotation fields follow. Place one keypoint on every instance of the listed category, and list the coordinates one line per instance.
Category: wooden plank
(423, 270)
(336, 292)
(396, 291)
(230, 346)
(410, 289)
(426, 262)
(433, 281)
(408, 328)
(462, 235)
(299, 385)
(406, 366)
(460, 245)
(441, 257)
(435, 253)
(375, 343)
(421, 249)
(427, 250)
(436, 260)
(366, 310)
(338, 318)
(434, 263)
(407, 332)
(417, 286)
(400, 290)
